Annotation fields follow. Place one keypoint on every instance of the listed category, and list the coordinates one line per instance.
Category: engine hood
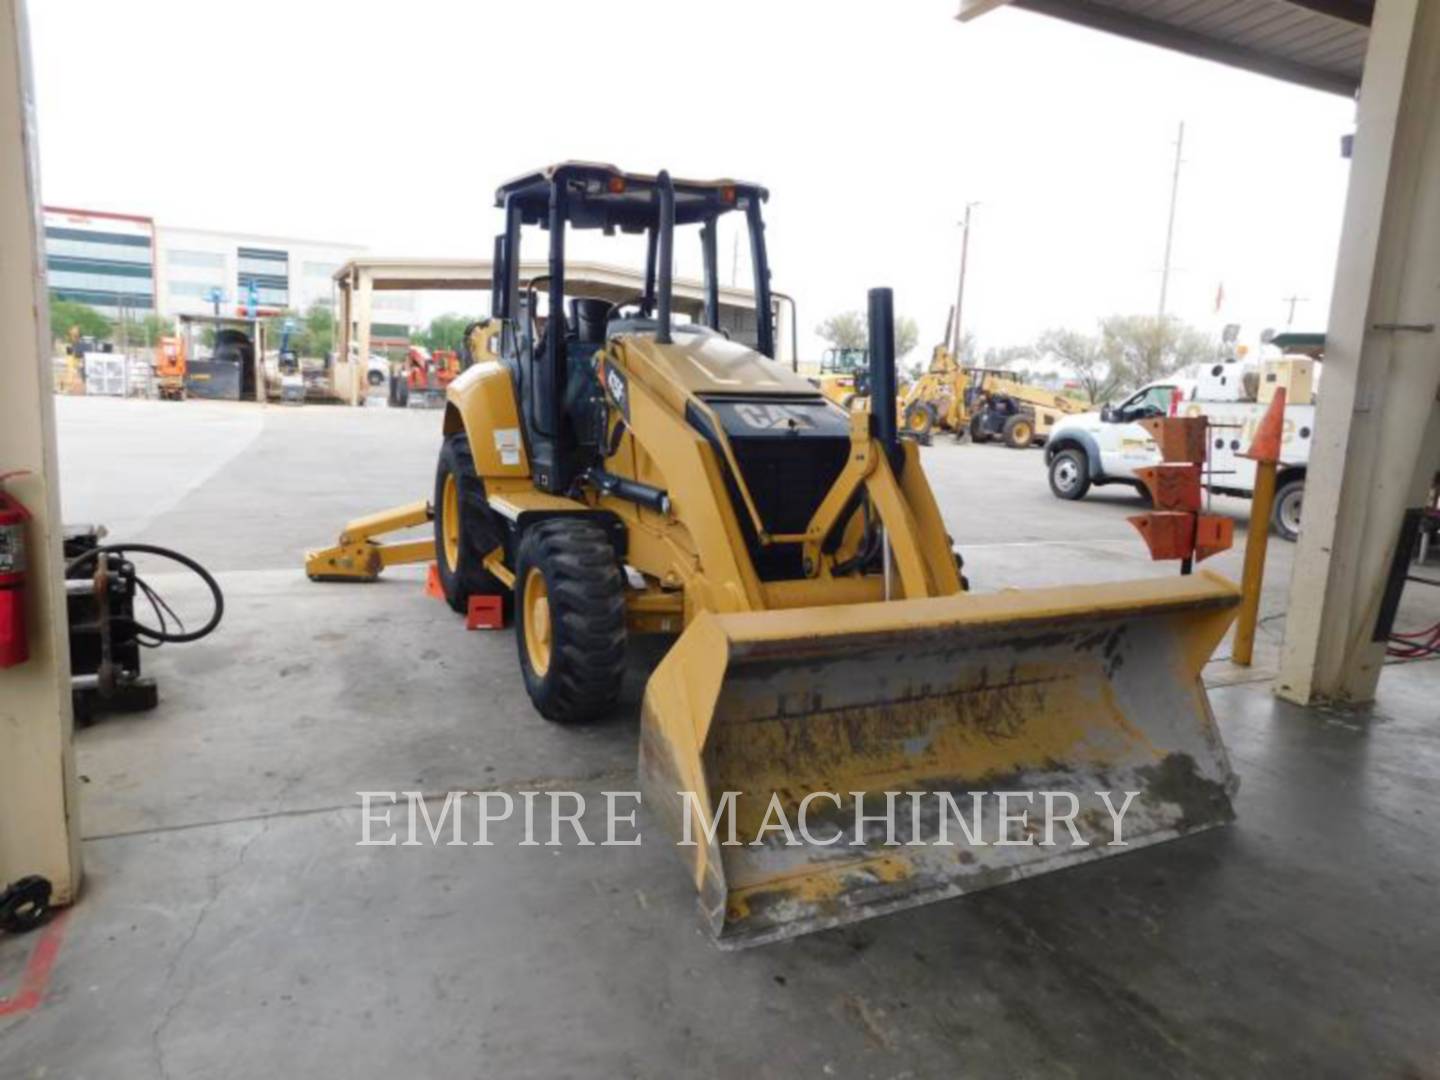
(707, 364)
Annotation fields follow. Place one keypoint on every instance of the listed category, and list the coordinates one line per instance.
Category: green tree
(444, 332)
(1009, 357)
(850, 330)
(320, 329)
(67, 314)
(145, 331)
(1081, 355)
(845, 330)
(1142, 348)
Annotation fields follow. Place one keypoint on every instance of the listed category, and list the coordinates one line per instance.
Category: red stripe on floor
(37, 972)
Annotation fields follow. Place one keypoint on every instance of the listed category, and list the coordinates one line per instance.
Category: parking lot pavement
(226, 902)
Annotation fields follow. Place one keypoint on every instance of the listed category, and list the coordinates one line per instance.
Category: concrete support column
(1375, 444)
(39, 830)
(363, 299)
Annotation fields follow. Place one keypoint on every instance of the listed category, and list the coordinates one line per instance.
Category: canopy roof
(1318, 43)
(604, 197)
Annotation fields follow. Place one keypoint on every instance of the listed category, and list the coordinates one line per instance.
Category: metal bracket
(1418, 328)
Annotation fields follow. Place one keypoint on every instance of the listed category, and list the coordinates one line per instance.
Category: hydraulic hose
(163, 634)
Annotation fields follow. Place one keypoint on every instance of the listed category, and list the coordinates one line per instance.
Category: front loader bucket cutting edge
(1078, 690)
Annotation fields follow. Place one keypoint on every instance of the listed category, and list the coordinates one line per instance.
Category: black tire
(1019, 431)
(460, 560)
(375, 378)
(1285, 514)
(978, 434)
(581, 664)
(1069, 475)
(921, 418)
(402, 391)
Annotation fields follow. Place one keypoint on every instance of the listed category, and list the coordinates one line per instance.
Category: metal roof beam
(1102, 17)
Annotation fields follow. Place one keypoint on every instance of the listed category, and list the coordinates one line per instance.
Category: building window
(198, 288)
(204, 260)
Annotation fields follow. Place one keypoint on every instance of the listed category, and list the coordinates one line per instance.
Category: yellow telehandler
(623, 472)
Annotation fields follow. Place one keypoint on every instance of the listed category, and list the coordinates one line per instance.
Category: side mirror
(1109, 414)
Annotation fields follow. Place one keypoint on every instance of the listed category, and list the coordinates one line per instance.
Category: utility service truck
(1107, 446)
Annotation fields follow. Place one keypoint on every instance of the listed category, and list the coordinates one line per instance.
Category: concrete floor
(230, 927)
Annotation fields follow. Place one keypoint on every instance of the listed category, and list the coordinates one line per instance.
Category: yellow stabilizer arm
(359, 556)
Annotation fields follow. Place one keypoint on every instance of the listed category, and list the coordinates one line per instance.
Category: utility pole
(1170, 227)
(960, 287)
(1292, 301)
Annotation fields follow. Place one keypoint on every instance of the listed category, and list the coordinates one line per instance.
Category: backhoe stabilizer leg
(359, 556)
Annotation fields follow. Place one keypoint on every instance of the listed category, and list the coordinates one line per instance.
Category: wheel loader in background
(840, 369)
(621, 473)
(984, 403)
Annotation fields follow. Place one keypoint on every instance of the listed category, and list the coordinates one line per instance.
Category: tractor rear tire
(1019, 432)
(570, 619)
(465, 530)
(920, 418)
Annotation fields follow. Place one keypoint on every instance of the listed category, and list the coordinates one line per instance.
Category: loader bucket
(1069, 691)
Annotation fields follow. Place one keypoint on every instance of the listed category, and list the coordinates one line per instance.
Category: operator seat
(588, 318)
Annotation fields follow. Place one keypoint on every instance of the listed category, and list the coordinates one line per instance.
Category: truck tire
(570, 619)
(1019, 432)
(375, 378)
(1069, 474)
(1285, 514)
(978, 434)
(465, 530)
(920, 418)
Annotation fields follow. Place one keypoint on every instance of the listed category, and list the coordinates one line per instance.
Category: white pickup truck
(1105, 447)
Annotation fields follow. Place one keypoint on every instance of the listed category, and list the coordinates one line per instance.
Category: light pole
(960, 286)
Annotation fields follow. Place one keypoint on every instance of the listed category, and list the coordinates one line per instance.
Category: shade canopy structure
(1317, 43)
(357, 279)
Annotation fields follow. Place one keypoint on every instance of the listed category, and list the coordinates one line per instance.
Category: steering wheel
(637, 301)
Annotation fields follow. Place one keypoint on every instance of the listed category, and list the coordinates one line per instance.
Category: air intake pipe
(882, 372)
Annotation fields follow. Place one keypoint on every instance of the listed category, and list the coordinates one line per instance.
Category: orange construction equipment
(1265, 452)
(423, 377)
(170, 368)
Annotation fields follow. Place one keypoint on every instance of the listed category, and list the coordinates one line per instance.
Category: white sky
(872, 123)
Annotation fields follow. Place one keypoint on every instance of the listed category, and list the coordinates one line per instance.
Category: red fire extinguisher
(14, 645)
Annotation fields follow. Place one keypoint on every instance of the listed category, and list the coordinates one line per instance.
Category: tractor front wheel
(920, 418)
(570, 619)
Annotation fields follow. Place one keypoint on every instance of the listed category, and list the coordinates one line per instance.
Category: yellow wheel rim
(450, 521)
(1023, 434)
(918, 420)
(536, 603)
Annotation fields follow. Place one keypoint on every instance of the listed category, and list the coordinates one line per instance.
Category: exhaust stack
(882, 371)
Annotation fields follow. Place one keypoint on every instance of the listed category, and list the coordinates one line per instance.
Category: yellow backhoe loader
(622, 472)
(984, 403)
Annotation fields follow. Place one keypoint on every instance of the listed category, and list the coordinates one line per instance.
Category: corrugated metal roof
(1319, 43)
